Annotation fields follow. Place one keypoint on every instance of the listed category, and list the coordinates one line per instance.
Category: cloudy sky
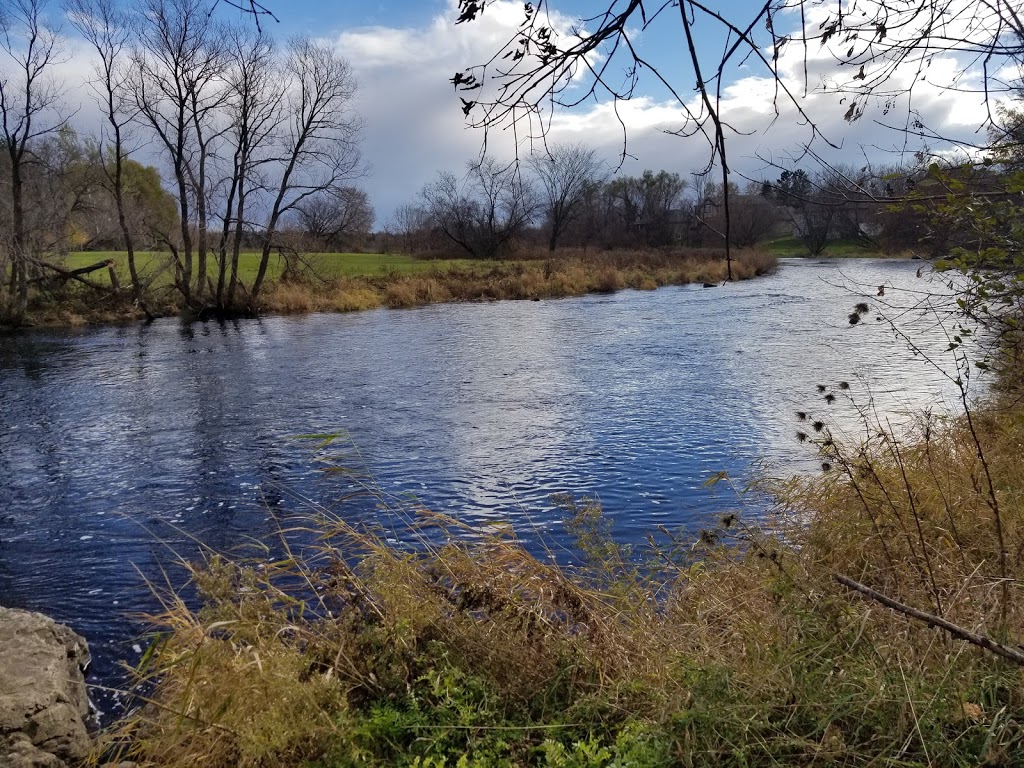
(405, 52)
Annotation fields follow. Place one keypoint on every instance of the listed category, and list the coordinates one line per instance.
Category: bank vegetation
(570, 274)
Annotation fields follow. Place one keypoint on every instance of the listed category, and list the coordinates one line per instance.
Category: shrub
(401, 294)
(759, 262)
(609, 280)
(356, 298)
(289, 297)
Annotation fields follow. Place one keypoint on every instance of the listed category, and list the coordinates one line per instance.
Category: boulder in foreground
(43, 699)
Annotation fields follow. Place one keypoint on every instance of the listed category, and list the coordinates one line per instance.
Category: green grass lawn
(791, 246)
(328, 265)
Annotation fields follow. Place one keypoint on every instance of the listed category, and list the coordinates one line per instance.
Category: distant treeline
(565, 197)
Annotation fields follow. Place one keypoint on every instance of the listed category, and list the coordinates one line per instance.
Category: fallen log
(64, 275)
(81, 270)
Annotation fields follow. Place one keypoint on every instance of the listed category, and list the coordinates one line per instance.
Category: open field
(340, 265)
(840, 249)
(326, 265)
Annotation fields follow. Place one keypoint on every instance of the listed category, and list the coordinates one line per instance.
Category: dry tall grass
(570, 273)
(735, 648)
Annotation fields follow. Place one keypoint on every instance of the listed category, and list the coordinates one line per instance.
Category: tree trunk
(271, 231)
(257, 284)
(225, 235)
(19, 281)
(202, 245)
(185, 262)
(236, 247)
(122, 221)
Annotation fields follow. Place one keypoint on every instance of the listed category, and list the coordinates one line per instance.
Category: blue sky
(404, 52)
(331, 18)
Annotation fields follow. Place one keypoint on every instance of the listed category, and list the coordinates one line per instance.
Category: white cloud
(415, 124)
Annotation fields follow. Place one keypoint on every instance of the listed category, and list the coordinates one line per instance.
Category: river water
(118, 445)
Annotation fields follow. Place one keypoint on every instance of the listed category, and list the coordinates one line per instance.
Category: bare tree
(254, 114)
(206, 96)
(565, 173)
(485, 211)
(177, 66)
(410, 224)
(319, 148)
(643, 207)
(28, 113)
(332, 215)
(832, 204)
(812, 212)
(106, 28)
(904, 225)
(591, 225)
(753, 216)
(850, 190)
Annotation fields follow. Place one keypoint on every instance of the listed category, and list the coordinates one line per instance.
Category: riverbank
(570, 275)
(873, 619)
(332, 286)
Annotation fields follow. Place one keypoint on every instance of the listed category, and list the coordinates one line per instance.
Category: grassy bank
(349, 282)
(571, 274)
(742, 646)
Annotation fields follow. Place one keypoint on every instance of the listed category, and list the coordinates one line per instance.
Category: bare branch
(974, 638)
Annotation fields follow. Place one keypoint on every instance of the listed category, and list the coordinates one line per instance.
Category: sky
(403, 54)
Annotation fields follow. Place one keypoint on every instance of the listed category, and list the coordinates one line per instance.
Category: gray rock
(43, 699)
(22, 753)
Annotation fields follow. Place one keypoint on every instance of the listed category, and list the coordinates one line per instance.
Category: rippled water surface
(115, 442)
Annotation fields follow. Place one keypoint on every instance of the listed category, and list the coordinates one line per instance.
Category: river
(121, 444)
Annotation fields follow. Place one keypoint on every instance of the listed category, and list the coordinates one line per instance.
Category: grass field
(331, 266)
(840, 249)
(327, 265)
